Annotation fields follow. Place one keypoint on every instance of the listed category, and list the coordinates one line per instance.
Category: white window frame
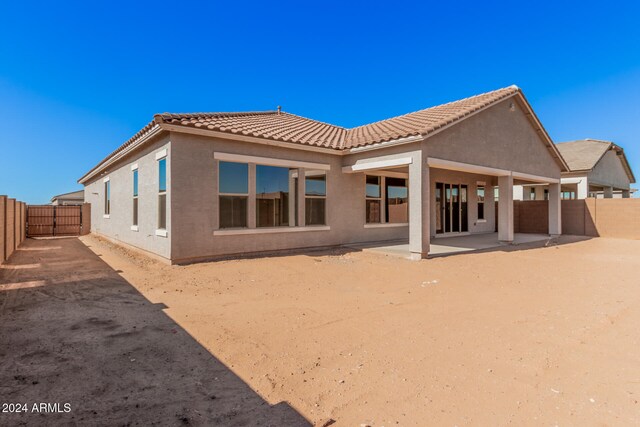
(107, 198)
(253, 162)
(162, 155)
(134, 171)
(384, 221)
(480, 184)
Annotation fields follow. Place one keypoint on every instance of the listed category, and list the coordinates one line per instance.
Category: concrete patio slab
(451, 245)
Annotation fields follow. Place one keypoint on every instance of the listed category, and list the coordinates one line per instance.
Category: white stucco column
(505, 208)
(300, 197)
(419, 202)
(626, 194)
(583, 188)
(251, 202)
(555, 210)
(608, 192)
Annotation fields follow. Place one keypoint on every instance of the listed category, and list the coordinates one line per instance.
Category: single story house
(73, 198)
(191, 187)
(596, 169)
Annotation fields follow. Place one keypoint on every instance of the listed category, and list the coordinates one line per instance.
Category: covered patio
(451, 245)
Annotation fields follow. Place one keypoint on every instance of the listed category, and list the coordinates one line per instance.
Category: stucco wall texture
(120, 219)
(499, 137)
(609, 172)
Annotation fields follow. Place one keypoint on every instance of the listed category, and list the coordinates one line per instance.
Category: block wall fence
(12, 226)
(618, 218)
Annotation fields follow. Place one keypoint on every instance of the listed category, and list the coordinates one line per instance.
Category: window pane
(315, 183)
(162, 175)
(135, 182)
(135, 211)
(314, 211)
(272, 196)
(233, 211)
(162, 211)
(107, 197)
(373, 211)
(480, 193)
(233, 178)
(481, 210)
(373, 186)
(397, 200)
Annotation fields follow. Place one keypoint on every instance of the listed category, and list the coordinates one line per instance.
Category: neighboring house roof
(285, 127)
(74, 195)
(584, 154)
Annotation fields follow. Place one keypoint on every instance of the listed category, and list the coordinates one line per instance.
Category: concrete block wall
(618, 218)
(531, 216)
(12, 226)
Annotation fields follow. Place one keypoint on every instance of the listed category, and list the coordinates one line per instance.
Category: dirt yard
(542, 336)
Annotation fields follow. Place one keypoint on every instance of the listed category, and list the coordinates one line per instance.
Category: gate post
(85, 216)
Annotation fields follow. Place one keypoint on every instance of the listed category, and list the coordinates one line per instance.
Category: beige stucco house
(190, 187)
(596, 169)
(72, 198)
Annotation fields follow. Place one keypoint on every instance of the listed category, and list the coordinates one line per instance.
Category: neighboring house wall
(609, 172)
(118, 225)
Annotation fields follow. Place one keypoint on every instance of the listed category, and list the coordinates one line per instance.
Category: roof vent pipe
(279, 109)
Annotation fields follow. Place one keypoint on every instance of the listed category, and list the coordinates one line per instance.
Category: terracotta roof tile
(286, 127)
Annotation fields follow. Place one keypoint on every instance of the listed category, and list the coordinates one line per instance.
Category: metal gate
(48, 220)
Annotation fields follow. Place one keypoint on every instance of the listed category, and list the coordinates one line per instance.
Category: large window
(373, 199)
(315, 197)
(480, 204)
(135, 197)
(396, 200)
(162, 194)
(386, 200)
(107, 197)
(272, 196)
(233, 187)
(532, 193)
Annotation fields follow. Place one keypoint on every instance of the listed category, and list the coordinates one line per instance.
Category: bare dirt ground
(543, 336)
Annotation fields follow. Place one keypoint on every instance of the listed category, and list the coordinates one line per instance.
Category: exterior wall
(471, 180)
(609, 172)
(195, 202)
(499, 138)
(118, 225)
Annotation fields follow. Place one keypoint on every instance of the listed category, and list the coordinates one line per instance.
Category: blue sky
(79, 78)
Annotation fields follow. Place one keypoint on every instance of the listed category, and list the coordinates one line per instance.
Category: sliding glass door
(451, 208)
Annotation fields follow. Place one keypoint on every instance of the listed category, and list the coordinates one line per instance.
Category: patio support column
(419, 221)
(555, 210)
(300, 197)
(251, 205)
(505, 208)
(608, 192)
(626, 194)
(583, 189)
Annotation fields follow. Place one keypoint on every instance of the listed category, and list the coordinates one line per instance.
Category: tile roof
(272, 125)
(286, 127)
(583, 154)
(425, 121)
(290, 128)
